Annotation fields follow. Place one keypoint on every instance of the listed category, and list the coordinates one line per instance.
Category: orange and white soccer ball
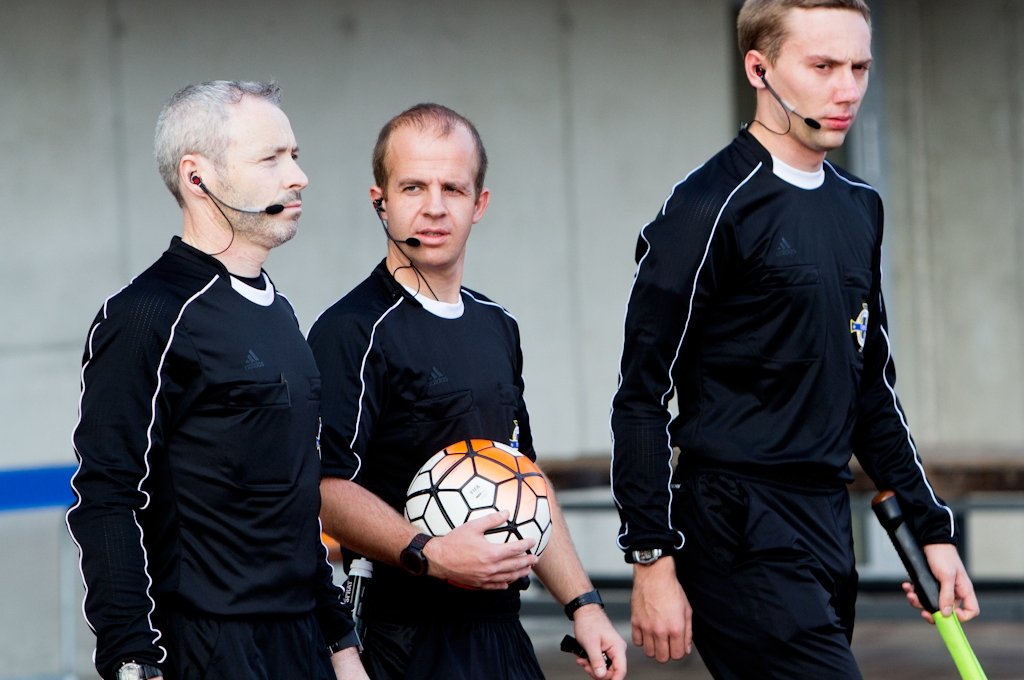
(475, 477)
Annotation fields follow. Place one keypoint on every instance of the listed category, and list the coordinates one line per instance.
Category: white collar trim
(445, 310)
(798, 178)
(263, 298)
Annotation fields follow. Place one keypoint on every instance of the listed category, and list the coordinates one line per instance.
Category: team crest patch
(859, 326)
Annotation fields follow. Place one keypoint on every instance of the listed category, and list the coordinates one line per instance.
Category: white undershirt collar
(264, 297)
(445, 310)
(798, 178)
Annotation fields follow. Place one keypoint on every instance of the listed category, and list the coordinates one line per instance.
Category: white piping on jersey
(918, 463)
(145, 456)
(362, 369)
(362, 385)
(507, 313)
(850, 181)
(474, 298)
(67, 515)
(689, 314)
(910, 441)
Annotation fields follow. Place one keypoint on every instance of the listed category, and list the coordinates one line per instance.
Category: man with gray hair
(197, 488)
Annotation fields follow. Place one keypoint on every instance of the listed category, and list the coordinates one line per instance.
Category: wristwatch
(131, 670)
(412, 558)
(589, 597)
(644, 556)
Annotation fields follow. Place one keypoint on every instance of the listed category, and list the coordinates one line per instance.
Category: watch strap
(589, 597)
(644, 555)
(133, 670)
(412, 558)
(418, 541)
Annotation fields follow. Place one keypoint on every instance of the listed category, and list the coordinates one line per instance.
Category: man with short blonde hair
(757, 305)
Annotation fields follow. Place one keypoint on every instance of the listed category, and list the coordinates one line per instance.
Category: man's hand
(956, 592)
(598, 636)
(661, 614)
(466, 558)
(347, 665)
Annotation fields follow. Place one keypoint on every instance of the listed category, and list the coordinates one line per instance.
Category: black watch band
(412, 558)
(338, 645)
(590, 597)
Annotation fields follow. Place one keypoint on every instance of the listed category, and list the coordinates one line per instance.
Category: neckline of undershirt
(445, 310)
(798, 178)
(263, 297)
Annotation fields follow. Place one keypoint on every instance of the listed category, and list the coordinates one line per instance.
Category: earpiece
(809, 122)
(270, 209)
(378, 206)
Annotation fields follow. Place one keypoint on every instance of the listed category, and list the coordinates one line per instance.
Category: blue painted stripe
(42, 487)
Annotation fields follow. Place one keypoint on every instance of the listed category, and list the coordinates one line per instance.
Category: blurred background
(591, 110)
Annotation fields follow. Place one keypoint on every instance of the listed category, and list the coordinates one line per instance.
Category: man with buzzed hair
(413, 361)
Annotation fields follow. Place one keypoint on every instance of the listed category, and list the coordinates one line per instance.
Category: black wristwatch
(644, 556)
(131, 670)
(589, 597)
(412, 558)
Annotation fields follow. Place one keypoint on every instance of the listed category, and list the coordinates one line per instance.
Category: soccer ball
(475, 477)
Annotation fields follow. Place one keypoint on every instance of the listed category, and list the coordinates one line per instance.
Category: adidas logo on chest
(252, 361)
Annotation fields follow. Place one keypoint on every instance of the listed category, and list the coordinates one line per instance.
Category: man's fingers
(491, 520)
(946, 594)
(662, 646)
(964, 591)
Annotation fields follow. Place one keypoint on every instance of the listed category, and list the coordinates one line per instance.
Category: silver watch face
(647, 556)
(130, 671)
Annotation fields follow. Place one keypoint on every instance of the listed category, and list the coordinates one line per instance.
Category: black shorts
(495, 649)
(201, 648)
(770, 573)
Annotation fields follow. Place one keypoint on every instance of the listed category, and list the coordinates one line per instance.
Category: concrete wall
(955, 106)
(590, 112)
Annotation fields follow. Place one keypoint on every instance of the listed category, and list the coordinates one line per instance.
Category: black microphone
(412, 241)
(270, 209)
(809, 122)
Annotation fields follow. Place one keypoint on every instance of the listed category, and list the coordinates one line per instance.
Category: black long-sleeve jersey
(198, 479)
(757, 304)
(401, 383)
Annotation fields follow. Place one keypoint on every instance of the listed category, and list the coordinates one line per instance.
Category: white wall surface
(590, 111)
(955, 216)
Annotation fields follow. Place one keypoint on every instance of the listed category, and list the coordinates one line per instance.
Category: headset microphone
(270, 209)
(809, 122)
(378, 206)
